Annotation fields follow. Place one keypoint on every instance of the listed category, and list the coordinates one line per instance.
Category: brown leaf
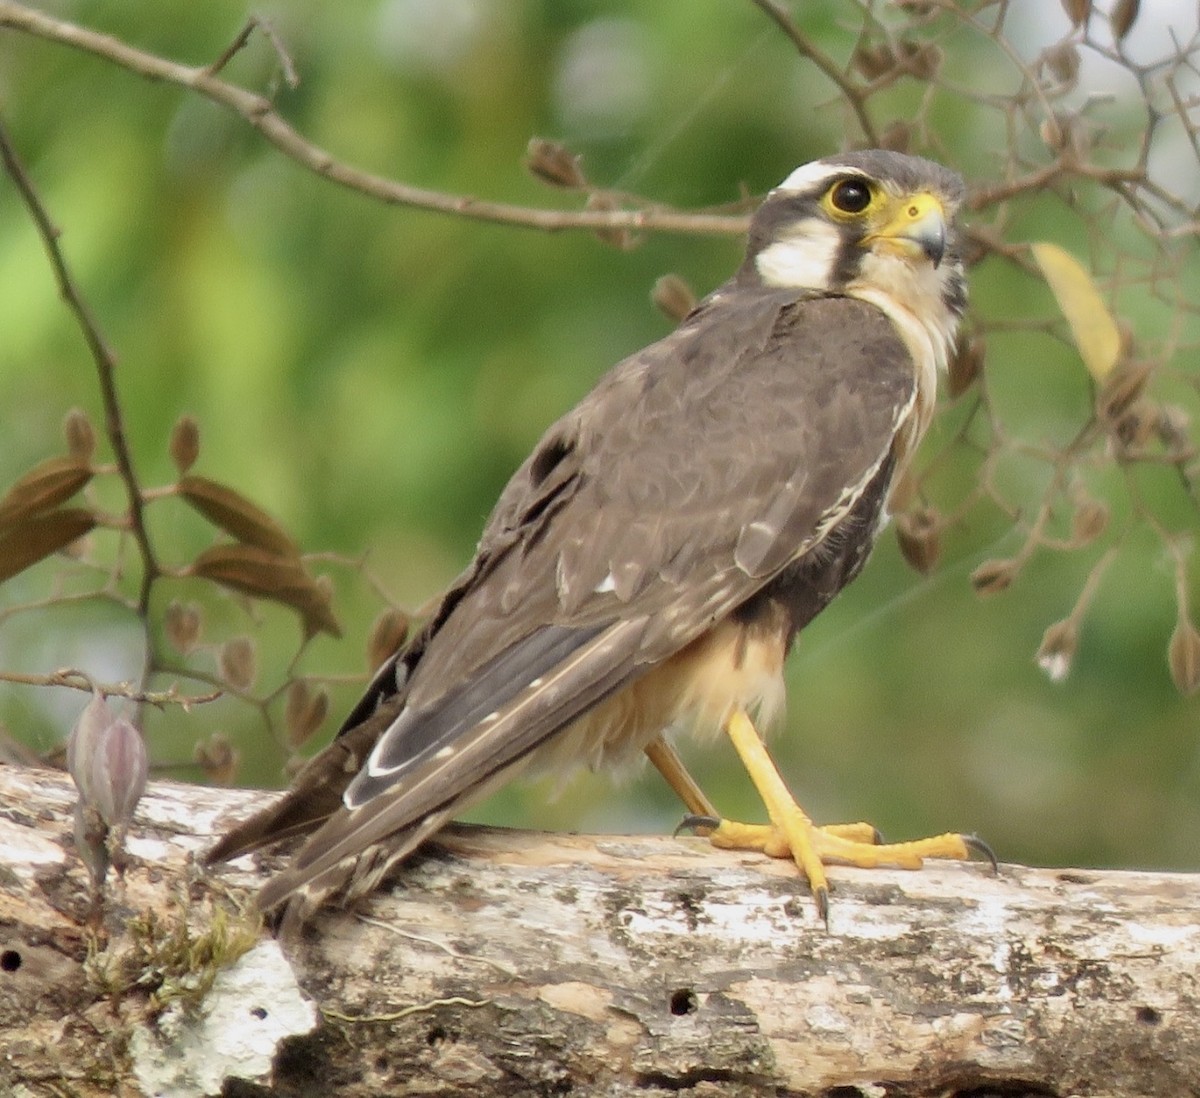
(1078, 11)
(39, 537)
(236, 515)
(184, 446)
(388, 633)
(993, 576)
(673, 297)
(1124, 15)
(184, 625)
(80, 435)
(1183, 656)
(45, 486)
(919, 535)
(554, 164)
(266, 575)
(238, 661)
(1093, 329)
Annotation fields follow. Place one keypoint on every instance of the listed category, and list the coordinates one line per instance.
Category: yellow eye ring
(850, 196)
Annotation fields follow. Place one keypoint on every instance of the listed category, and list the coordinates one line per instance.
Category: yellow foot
(813, 847)
(791, 834)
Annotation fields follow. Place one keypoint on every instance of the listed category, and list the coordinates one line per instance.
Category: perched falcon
(649, 565)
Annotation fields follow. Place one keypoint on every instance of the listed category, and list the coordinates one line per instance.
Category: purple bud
(107, 759)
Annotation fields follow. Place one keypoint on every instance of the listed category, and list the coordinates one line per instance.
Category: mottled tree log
(516, 963)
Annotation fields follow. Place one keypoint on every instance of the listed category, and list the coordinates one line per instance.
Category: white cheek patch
(804, 259)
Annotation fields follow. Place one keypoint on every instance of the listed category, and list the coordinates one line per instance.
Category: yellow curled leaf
(46, 485)
(1092, 326)
(41, 536)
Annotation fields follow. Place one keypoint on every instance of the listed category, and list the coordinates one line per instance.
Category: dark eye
(851, 196)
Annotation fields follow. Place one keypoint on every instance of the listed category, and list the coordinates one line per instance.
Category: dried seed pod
(918, 533)
(673, 297)
(554, 164)
(1078, 11)
(965, 365)
(304, 712)
(1089, 521)
(388, 633)
(1183, 656)
(217, 757)
(80, 435)
(1053, 133)
(873, 61)
(238, 662)
(896, 136)
(923, 60)
(1063, 61)
(184, 625)
(184, 445)
(1122, 17)
(1057, 650)
(1138, 425)
(994, 576)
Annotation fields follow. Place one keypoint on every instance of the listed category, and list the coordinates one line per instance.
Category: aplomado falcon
(649, 565)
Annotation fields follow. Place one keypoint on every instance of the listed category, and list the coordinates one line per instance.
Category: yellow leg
(792, 834)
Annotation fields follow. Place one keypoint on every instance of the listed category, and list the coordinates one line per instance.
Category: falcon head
(876, 225)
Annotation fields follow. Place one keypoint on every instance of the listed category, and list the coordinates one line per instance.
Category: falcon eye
(850, 196)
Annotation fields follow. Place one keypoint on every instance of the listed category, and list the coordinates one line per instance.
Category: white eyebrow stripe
(807, 176)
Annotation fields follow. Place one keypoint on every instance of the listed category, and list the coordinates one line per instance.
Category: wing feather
(693, 474)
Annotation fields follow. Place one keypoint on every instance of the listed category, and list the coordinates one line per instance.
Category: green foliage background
(372, 375)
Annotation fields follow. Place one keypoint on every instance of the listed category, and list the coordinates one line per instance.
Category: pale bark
(508, 963)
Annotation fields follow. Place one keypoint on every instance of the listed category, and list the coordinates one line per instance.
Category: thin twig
(257, 22)
(807, 48)
(75, 679)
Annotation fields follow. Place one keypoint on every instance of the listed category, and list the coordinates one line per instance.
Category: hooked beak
(918, 228)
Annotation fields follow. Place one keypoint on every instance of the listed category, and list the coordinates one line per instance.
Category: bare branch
(260, 113)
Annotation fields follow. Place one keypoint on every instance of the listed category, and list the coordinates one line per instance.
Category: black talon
(975, 843)
(696, 822)
(821, 895)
